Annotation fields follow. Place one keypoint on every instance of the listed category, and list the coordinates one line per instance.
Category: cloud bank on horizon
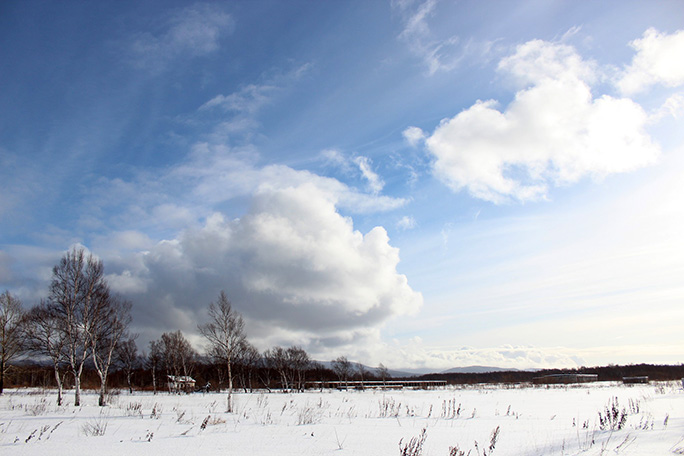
(295, 176)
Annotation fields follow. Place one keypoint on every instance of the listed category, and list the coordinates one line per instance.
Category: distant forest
(207, 372)
(609, 373)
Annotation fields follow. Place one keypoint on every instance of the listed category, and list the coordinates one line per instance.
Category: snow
(540, 420)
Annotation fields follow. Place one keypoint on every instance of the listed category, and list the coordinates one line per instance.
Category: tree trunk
(128, 379)
(58, 378)
(154, 380)
(77, 389)
(2, 376)
(103, 390)
(230, 389)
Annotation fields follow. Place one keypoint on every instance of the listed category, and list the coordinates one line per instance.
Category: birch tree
(154, 361)
(127, 357)
(178, 356)
(276, 358)
(298, 361)
(225, 333)
(248, 358)
(343, 368)
(77, 290)
(11, 321)
(111, 318)
(44, 337)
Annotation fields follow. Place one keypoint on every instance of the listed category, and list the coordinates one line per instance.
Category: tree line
(83, 327)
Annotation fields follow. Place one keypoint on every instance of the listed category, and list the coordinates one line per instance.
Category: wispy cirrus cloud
(357, 165)
(193, 31)
(246, 100)
(236, 114)
(375, 182)
(439, 53)
(407, 222)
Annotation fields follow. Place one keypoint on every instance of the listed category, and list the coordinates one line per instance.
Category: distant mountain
(375, 371)
(478, 370)
(423, 371)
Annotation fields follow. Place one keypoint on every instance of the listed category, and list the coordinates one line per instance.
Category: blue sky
(426, 184)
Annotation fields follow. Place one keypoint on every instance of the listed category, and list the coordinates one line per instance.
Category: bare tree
(11, 322)
(43, 336)
(362, 371)
(383, 372)
(154, 361)
(77, 291)
(343, 368)
(178, 356)
(109, 326)
(127, 357)
(319, 371)
(266, 369)
(298, 362)
(247, 358)
(225, 333)
(276, 358)
(291, 365)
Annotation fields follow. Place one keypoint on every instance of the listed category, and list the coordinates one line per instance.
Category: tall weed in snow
(388, 407)
(493, 438)
(134, 409)
(39, 407)
(484, 451)
(96, 427)
(450, 410)
(612, 417)
(413, 447)
(308, 414)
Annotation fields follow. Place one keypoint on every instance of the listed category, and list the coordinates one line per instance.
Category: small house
(181, 383)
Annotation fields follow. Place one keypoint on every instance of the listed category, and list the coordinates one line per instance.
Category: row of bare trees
(79, 321)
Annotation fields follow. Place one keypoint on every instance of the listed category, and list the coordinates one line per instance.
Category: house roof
(181, 379)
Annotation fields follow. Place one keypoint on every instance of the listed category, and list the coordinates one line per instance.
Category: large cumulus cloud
(293, 265)
(554, 132)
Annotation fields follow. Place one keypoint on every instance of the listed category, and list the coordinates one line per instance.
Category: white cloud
(351, 166)
(375, 183)
(538, 61)
(658, 60)
(406, 223)
(414, 136)
(189, 32)
(673, 107)
(335, 158)
(292, 265)
(417, 354)
(553, 132)
(246, 100)
(507, 356)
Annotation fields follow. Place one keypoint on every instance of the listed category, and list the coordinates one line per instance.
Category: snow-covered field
(558, 420)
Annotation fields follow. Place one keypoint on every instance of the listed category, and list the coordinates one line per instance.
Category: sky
(423, 184)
